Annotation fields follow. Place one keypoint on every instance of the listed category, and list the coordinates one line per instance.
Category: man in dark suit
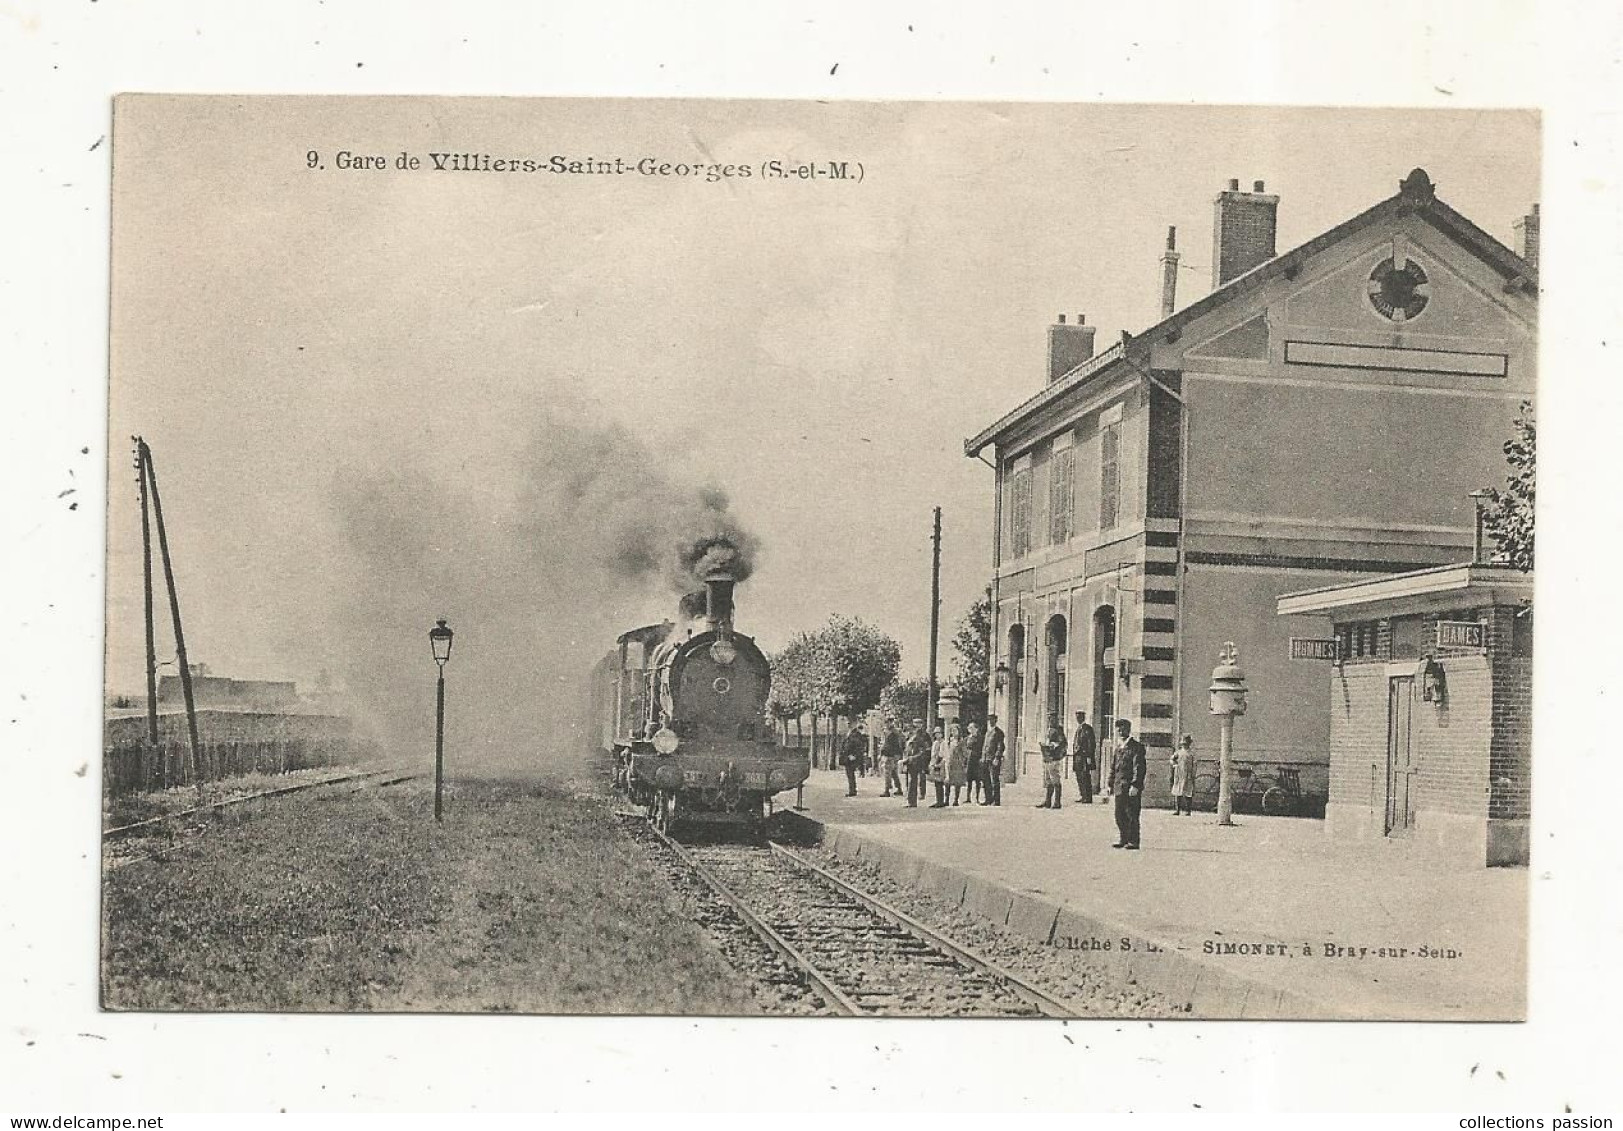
(852, 751)
(1084, 758)
(890, 754)
(918, 760)
(992, 762)
(1127, 771)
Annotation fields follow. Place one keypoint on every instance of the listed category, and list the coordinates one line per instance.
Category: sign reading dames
(1306, 648)
(1460, 634)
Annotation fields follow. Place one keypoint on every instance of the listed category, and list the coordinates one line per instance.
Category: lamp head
(439, 639)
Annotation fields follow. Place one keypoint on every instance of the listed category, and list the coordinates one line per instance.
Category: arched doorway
(1017, 689)
(1104, 670)
(1054, 649)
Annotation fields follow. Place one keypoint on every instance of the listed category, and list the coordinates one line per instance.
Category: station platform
(1267, 919)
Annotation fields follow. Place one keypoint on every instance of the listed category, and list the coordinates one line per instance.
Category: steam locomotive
(684, 714)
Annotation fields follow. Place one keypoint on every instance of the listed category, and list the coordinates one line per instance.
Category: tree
(838, 670)
(972, 651)
(904, 700)
(862, 662)
(787, 699)
(1508, 515)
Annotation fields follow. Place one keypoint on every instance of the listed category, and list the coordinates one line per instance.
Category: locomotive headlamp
(723, 652)
(665, 741)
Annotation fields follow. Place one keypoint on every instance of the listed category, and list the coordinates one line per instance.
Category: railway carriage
(684, 711)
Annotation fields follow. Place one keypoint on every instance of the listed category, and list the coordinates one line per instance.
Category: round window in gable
(1399, 293)
(722, 685)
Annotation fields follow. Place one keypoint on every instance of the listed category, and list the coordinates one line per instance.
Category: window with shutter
(1109, 476)
(1020, 513)
(1061, 496)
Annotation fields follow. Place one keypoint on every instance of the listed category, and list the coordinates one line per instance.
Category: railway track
(862, 956)
(152, 826)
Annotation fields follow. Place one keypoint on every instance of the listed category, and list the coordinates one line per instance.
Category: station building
(1431, 708)
(1319, 417)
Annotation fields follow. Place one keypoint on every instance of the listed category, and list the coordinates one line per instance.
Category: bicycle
(1277, 794)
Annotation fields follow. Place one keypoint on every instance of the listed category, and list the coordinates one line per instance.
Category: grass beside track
(529, 898)
(129, 808)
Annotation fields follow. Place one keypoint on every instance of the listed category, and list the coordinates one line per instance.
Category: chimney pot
(1169, 274)
(1068, 346)
(1234, 184)
(1527, 237)
(1257, 186)
(1243, 232)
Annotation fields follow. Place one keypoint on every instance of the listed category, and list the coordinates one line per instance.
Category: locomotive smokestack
(718, 600)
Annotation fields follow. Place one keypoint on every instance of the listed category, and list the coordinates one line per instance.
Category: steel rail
(1042, 999)
(297, 787)
(831, 993)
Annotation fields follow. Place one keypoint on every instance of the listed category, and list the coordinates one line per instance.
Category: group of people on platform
(965, 765)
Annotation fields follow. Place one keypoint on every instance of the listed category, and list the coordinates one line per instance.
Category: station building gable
(1319, 417)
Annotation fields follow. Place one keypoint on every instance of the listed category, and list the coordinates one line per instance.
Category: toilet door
(1400, 767)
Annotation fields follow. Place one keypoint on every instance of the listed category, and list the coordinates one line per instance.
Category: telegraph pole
(935, 609)
(174, 611)
(152, 651)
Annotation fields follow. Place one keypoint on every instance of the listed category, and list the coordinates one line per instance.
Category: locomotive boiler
(684, 712)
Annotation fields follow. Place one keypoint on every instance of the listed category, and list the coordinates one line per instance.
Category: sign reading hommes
(1307, 648)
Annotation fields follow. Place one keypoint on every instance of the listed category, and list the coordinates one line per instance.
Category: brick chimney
(1068, 346)
(1527, 238)
(1169, 274)
(1242, 231)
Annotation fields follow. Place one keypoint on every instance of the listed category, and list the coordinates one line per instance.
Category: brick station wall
(1510, 762)
(1358, 694)
(1451, 742)
(1472, 752)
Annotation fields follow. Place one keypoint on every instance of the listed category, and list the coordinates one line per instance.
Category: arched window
(1017, 685)
(1104, 669)
(1054, 649)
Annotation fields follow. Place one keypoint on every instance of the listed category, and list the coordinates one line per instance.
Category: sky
(376, 397)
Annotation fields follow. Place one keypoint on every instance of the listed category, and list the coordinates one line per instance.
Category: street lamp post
(1228, 700)
(1478, 500)
(439, 639)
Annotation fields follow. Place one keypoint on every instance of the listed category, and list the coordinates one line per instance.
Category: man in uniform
(1127, 771)
(890, 753)
(992, 762)
(975, 785)
(1084, 758)
(918, 760)
(1053, 748)
(852, 751)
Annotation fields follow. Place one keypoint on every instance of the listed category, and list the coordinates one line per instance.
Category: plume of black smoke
(538, 557)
